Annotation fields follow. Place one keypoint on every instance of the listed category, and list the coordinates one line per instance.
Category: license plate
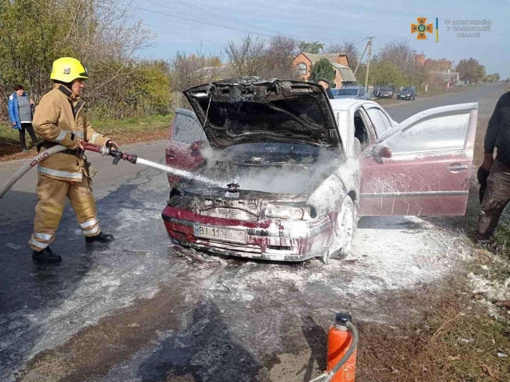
(226, 234)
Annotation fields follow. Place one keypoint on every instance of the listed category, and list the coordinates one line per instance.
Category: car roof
(345, 104)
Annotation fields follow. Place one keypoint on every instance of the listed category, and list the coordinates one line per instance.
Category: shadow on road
(317, 339)
(204, 351)
(31, 293)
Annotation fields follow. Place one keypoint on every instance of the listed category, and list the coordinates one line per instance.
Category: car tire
(344, 230)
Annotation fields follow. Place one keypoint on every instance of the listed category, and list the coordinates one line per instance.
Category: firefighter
(60, 120)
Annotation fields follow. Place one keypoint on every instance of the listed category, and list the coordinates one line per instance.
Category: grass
(109, 126)
(132, 125)
(455, 341)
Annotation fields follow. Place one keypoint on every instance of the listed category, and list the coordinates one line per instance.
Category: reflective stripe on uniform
(61, 136)
(43, 236)
(88, 223)
(62, 174)
(94, 137)
(91, 232)
(37, 244)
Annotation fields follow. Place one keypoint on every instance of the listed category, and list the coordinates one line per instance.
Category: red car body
(363, 163)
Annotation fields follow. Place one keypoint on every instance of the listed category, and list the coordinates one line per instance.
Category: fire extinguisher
(342, 346)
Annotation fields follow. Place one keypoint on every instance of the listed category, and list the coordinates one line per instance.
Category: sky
(206, 26)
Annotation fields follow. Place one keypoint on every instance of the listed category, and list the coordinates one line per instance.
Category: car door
(186, 135)
(422, 166)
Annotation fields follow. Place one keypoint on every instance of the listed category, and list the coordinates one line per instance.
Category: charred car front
(274, 156)
(277, 171)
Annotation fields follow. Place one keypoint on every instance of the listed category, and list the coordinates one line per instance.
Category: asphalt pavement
(137, 310)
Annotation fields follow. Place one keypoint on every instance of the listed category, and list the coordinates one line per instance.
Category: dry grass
(456, 341)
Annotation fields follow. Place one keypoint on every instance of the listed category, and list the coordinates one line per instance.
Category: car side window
(437, 133)
(362, 129)
(380, 120)
(186, 129)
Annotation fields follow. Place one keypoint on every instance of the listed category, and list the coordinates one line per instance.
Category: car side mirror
(381, 151)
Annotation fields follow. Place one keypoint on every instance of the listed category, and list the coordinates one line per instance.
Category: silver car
(357, 92)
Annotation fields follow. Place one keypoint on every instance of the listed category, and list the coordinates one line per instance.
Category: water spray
(118, 155)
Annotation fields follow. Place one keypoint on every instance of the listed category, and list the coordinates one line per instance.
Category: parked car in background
(407, 93)
(384, 92)
(350, 92)
(293, 170)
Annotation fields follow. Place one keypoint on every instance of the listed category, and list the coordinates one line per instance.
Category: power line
(198, 19)
(204, 22)
(172, 33)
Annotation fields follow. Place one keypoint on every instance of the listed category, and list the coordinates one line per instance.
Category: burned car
(289, 171)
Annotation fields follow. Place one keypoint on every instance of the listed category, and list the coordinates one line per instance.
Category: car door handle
(456, 167)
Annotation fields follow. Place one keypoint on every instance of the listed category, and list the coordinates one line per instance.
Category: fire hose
(115, 153)
(118, 155)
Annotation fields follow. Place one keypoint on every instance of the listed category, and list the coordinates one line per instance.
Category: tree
(384, 73)
(188, 70)
(322, 69)
(347, 47)
(314, 47)
(470, 70)
(400, 55)
(279, 55)
(102, 35)
(246, 58)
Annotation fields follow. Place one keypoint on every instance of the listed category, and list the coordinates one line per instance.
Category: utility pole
(369, 45)
(361, 59)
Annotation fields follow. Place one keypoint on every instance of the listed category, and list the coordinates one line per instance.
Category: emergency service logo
(422, 28)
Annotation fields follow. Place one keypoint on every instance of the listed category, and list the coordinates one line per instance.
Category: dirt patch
(10, 148)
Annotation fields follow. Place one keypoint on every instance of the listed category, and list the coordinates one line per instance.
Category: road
(140, 311)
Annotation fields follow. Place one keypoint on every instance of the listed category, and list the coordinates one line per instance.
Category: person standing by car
(60, 120)
(497, 193)
(21, 111)
(325, 84)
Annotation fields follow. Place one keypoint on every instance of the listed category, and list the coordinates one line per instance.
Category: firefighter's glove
(482, 175)
(112, 145)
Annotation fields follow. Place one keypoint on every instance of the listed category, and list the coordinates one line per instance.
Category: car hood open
(249, 109)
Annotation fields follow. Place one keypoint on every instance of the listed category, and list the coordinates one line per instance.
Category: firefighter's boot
(99, 238)
(46, 256)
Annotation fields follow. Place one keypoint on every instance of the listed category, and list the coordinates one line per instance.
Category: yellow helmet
(67, 69)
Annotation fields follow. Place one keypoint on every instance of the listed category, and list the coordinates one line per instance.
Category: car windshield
(407, 90)
(347, 92)
(386, 88)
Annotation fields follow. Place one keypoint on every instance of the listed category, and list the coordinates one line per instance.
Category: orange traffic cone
(339, 341)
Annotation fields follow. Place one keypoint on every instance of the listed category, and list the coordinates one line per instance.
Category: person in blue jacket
(21, 112)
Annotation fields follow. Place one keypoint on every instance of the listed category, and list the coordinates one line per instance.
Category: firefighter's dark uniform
(497, 193)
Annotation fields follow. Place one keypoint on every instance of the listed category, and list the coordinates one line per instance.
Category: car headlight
(286, 212)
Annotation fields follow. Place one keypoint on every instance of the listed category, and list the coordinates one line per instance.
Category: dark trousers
(495, 199)
(28, 127)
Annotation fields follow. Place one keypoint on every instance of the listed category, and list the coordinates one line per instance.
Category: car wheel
(345, 227)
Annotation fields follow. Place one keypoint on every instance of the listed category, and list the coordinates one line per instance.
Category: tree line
(103, 35)
(33, 33)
